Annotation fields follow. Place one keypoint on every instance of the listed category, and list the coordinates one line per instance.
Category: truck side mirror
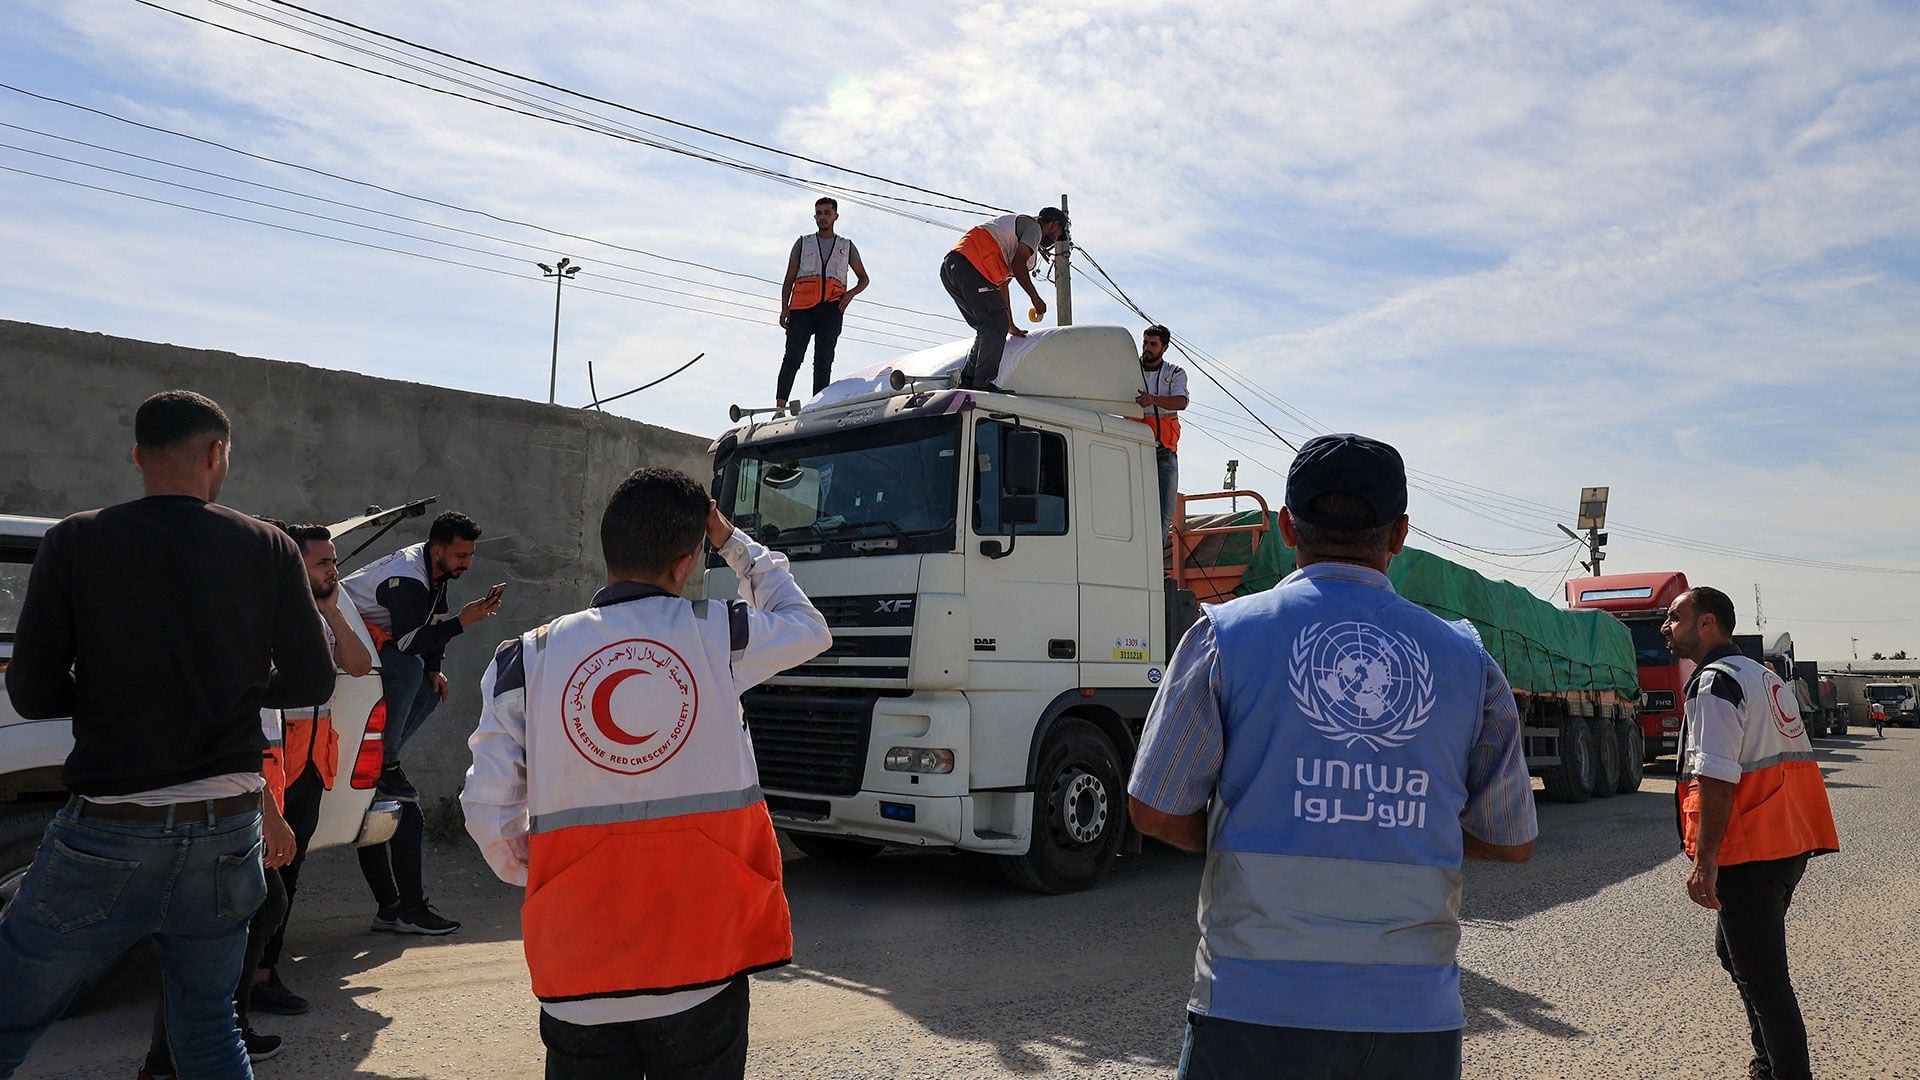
(1020, 466)
(1019, 510)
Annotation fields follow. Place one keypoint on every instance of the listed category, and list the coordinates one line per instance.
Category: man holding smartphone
(403, 598)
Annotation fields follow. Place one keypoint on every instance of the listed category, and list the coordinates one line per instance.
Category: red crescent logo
(603, 713)
(1790, 727)
(668, 702)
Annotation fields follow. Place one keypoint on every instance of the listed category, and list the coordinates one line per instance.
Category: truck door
(1119, 563)
(1025, 600)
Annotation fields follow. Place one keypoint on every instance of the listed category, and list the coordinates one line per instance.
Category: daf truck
(992, 568)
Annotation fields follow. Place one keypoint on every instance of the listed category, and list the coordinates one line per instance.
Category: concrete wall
(318, 445)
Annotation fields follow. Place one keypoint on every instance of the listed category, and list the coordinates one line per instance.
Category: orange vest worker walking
(614, 778)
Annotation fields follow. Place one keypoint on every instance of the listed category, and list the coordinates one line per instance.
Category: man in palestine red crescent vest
(1752, 809)
(614, 778)
(814, 298)
(976, 273)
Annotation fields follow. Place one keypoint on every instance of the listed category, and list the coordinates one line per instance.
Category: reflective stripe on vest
(652, 863)
(815, 283)
(1331, 893)
(984, 252)
(1780, 806)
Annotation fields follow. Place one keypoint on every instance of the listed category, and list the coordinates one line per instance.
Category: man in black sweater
(162, 627)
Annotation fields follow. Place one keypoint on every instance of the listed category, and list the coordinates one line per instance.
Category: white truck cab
(32, 751)
(991, 567)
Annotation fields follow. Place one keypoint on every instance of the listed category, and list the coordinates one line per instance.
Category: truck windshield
(1649, 648)
(1889, 695)
(879, 490)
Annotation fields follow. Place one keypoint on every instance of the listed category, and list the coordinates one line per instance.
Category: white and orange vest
(820, 280)
(1743, 727)
(614, 777)
(991, 246)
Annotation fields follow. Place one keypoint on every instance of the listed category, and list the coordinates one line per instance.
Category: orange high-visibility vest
(1166, 429)
(652, 864)
(312, 739)
(1780, 806)
(988, 252)
(820, 281)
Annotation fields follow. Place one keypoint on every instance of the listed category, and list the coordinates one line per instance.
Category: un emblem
(1357, 683)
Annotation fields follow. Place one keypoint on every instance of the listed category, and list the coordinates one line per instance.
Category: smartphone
(494, 593)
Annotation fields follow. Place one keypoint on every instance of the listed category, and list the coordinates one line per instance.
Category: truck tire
(1606, 758)
(1839, 725)
(20, 833)
(1079, 812)
(1633, 754)
(833, 849)
(1571, 779)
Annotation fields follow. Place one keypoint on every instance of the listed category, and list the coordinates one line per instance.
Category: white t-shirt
(628, 1009)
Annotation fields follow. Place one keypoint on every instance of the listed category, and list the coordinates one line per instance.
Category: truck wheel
(1606, 758)
(1571, 780)
(1633, 754)
(20, 834)
(1079, 812)
(1839, 726)
(836, 849)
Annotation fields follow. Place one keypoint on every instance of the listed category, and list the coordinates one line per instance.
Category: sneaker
(260, 1047)
(414, 918)
(270, 995)
(394, 785)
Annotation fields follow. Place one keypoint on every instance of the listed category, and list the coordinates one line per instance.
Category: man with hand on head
(162, 627)
(613, 777)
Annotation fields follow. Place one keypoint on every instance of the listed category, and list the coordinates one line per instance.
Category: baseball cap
(1350, 465)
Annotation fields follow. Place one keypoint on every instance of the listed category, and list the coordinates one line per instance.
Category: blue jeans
(1169, 464)
(410, 697)
(98, 887)
(1230, 1049)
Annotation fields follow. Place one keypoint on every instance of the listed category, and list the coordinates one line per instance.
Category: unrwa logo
(1358, 683)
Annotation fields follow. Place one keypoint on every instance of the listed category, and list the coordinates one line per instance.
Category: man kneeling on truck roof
(1347, 780)
(613, 777)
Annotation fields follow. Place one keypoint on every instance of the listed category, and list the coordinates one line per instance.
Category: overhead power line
(649, 115)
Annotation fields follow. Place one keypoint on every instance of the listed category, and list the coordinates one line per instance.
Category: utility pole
(560, 272)
(1856, 648)
(1233, 481)
(1759, 613)
(1063, 277)
(1593, 518)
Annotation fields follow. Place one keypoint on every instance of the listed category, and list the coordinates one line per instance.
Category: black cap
(1348, 465)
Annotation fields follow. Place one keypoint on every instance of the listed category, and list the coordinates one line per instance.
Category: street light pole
(560, 272)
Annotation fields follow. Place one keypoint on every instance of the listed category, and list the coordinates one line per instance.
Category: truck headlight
(918, 759)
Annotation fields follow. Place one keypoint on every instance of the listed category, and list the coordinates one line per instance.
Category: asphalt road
(1587, 962)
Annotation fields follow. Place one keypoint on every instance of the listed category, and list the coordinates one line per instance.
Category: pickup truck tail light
(373, 749)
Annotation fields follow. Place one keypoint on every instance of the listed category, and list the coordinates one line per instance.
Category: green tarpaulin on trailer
(1542, 648)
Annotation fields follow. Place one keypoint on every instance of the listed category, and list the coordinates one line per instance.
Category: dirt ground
(1587, 962)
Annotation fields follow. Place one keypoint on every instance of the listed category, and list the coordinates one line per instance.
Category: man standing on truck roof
(1752, 808)
(614, 778)
(1336, 751)
(1163, 394)
(162, 626)
(403, 598)
(814, 298)
(976, 273)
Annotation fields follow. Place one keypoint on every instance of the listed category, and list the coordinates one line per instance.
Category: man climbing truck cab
(1640, 601)
(992, 570)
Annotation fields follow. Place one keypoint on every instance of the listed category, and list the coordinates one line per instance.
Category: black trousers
(1219, 1049)
(394, 870)
(1751, 938)
(984, 307)
(820, 324)
(302, 812)
(707, 1042)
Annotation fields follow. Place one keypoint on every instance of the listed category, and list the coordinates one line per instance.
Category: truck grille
(810, 739)
(864, 654)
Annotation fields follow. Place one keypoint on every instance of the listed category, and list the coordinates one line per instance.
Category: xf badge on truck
(899, 606)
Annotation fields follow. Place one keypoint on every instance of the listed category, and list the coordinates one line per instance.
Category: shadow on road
(1492, 1005)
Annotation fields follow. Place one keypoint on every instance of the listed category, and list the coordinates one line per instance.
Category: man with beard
(403, 598)
(1163, 393)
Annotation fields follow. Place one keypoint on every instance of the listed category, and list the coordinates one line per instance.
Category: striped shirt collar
(1339, 571)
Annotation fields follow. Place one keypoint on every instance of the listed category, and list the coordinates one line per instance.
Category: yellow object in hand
(1033, 314)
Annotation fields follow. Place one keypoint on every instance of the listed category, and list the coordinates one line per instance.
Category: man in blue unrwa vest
(1336, 751)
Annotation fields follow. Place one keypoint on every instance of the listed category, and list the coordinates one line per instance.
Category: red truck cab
(1641, 601)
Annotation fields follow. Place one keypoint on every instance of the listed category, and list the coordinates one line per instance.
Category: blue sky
(1671, 248)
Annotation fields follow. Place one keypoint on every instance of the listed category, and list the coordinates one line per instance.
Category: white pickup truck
(32, 751)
